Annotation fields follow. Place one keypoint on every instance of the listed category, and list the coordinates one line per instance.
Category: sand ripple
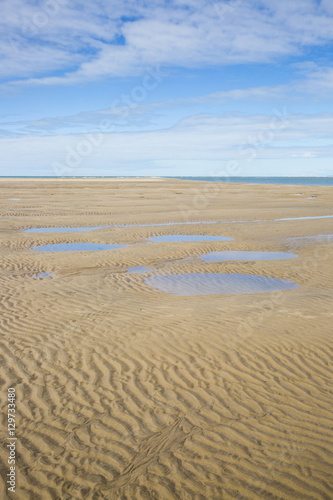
(124, 393)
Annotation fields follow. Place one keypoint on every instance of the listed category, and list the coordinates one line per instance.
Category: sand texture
(126, 393)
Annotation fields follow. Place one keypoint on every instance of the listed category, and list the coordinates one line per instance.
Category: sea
(305, 181)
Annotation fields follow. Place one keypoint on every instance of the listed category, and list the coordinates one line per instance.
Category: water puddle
(253, 256)
(217, 284)
(188, 237)
(75, 247)
(42, 275)
(303, 218)
(93, 228)
(139, 270)
(78, 229)
(318, 237)
(62, 229)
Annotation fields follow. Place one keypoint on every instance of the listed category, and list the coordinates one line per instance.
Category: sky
(166, 88)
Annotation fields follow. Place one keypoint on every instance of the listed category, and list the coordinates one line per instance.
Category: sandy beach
(126, 392)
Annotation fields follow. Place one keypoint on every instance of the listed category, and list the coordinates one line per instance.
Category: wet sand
(123, 392)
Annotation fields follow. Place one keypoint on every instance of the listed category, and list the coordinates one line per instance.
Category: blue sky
(175, 87)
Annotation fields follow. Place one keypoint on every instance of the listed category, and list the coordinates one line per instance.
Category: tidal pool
(240, 255)
(78, 229)
(217, 284)
(188, 237)
(75, 247)
(304, 218)
(139, 270)
(318, 237)
(93, 228)
(61, 229)
(43, 274)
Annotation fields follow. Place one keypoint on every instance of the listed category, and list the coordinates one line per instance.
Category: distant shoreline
(271, 180)
(136, 179)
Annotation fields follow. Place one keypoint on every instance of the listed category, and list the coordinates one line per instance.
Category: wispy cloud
(86, 41)
(318, 80)
(314, 81)
(202, 138)
(72, 42)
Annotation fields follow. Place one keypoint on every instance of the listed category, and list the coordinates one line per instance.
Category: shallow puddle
(217, 284)
(253, 256)
(61, 229)
(304, 218)
(188, 237)
(93, 228)
(318, 237)
(43, 274)
(139, 270)
(78, 229)
(75, 247)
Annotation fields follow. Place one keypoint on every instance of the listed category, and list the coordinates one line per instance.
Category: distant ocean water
(306, 181)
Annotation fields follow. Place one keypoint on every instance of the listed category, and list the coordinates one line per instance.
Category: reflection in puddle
(188, 237)
(42, 275)
(217, 284)
(231, 255)
(139, 270)
(74, 247)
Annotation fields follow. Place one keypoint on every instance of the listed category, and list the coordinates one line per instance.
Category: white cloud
(82, 38)
(316, 81)
(307, 154)
(202, 138)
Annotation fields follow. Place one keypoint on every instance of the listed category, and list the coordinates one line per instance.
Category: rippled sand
(126, 393)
